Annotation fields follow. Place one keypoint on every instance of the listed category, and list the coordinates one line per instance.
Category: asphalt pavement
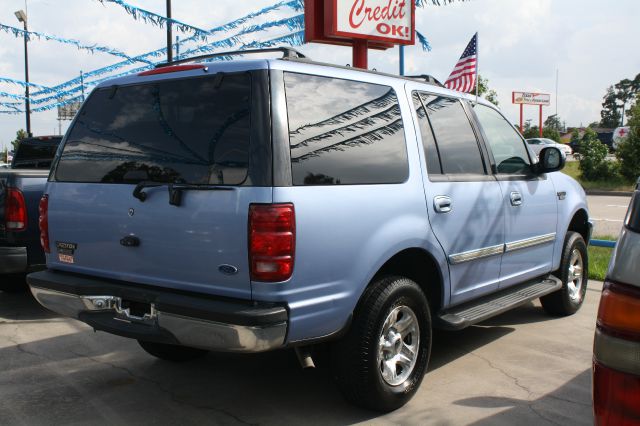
(607, 214)
(522, 367)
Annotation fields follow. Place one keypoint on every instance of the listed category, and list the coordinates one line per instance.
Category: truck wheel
(574, 275)
(381, 361)
(173, 353)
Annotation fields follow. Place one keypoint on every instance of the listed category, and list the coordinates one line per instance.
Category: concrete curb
(610, 193)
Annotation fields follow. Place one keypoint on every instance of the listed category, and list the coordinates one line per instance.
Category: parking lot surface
(522, 367)
(607, 214)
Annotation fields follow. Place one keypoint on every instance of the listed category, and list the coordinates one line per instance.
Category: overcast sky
(592, 43)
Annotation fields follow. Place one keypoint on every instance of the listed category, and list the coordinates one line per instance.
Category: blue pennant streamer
(17, 32)
(21, 83)
(423, 42)
(12, 96)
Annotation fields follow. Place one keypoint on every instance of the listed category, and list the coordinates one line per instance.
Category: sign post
(362, 24)
(527, 98)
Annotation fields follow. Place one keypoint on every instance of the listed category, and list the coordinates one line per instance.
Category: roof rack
(287, 53)
(426, 77)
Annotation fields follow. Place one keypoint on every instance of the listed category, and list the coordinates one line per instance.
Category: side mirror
(551, 160)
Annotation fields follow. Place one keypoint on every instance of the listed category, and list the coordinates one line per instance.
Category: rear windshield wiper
(175, 190)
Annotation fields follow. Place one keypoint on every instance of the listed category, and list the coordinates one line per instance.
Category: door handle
(516, 198)
(442, 204)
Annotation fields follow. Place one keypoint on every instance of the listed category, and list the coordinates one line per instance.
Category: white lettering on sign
(385, 20)
(531, 98)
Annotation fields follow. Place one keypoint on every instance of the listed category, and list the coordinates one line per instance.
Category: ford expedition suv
(260, 204)
(21, 187)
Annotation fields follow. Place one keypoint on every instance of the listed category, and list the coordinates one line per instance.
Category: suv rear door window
(457, 143)
(194, 130)
(428, 142)
(344, 132)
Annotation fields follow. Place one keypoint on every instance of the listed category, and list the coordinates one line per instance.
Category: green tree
(549, 133)
(485, 91)
(610, 115)
(628, 151)
(593, 158)
(553, 122)
(20, 135)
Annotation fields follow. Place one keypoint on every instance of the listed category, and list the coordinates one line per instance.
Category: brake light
(15, 211)
(168, 69)
(616, 356)
(272, 237)
(43, 222)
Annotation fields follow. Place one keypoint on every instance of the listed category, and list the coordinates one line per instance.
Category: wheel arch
(580, 224)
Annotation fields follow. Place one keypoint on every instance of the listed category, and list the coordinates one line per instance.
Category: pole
(477, 65)
(169, 36)
(82, 84)
(26, 77)
(521, 128)
(540, 120)
(177, 47)
(402, 59)
(360, 48)
(557, 92)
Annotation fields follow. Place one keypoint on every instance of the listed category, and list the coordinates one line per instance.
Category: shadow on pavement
(563, 406)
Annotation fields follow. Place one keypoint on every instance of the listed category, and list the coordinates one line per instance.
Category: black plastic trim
(193, 305)
(280, 131)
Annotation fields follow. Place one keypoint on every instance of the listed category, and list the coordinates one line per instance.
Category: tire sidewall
(406, 293)
(573, 241)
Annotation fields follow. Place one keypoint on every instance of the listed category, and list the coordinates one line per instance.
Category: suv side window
(428, 142)
(507, 146)
(344, 132)
(455, 139)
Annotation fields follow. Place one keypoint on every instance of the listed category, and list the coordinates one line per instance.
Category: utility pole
(169, 36)
(82, 84)
(22, 17)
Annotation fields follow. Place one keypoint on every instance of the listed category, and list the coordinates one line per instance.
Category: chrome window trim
(470, 255)
(529, 242)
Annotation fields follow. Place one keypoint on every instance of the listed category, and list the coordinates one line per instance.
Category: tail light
(272, 237)
(616, 353)
(15, 211)
(43, 222)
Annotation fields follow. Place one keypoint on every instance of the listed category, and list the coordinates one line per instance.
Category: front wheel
(573, 273)
(174, 353)
(381, 361)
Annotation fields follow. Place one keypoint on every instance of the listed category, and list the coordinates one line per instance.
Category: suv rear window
(344, 132)
(35, 153)
(194, 130)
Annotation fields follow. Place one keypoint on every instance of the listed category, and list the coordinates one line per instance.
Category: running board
(473, 312)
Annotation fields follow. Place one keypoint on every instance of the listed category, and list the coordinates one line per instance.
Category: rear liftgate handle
(516, 198)
(442, 204)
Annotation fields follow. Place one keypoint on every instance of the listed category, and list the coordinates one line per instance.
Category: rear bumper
(166, 317)
(13, 260)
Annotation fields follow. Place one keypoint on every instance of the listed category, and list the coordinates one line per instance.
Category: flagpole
(477, 63)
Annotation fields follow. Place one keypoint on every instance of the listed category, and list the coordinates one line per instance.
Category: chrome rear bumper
(157, 323)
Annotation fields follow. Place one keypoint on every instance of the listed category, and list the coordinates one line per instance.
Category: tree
(624, 93)
(553, 122)
(20, 135)
(610, 116)
(486, 92)
(593, 158)
(594, 124)
(628, 151)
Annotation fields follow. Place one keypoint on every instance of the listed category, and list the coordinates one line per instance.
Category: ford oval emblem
(228, 269)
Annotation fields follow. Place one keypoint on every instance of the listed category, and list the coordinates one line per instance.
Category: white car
(536, 145)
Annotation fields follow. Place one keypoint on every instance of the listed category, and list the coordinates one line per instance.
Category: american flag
(463, 76)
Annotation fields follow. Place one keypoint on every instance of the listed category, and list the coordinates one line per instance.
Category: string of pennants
(68, 92)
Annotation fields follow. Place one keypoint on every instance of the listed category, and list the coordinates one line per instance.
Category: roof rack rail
(287, 53)
(426, 77)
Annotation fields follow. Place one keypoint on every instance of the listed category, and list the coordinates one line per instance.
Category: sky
(590, 44)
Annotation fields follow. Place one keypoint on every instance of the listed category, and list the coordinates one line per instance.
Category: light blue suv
(262, 204)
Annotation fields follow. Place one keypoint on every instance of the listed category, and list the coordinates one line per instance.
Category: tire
(574, 273)
(358, 359)
(173, 353)
(13, 283)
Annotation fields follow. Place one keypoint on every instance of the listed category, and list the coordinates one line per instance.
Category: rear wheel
(174, 353)
(381, 361)
(573, 273)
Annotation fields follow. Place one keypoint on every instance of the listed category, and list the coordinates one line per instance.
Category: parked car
(256, 205)
(616, 350)
(21, 187)
(537, 144)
